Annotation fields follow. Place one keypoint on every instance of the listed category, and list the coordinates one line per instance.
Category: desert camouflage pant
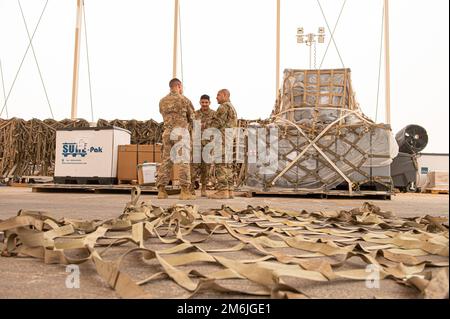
(165, 170)
(224, 176)
(224, 171)
(201, 170)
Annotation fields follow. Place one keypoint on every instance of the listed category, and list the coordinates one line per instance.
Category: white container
(147, 173)
(88, 155)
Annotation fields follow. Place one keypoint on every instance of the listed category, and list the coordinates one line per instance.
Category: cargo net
(180, 252)
(27, 148)
(324, 140)
(142, 132)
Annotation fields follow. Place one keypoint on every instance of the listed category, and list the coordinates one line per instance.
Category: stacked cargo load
(325, 142)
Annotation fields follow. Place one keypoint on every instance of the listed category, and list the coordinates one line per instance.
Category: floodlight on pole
(311, 39)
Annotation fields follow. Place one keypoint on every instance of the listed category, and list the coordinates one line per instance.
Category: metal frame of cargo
(339, 97)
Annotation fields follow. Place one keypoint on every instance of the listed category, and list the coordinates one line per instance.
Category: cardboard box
(438, 180)
(126, 163)
(149, 153)
(147, 173)
(130, 156)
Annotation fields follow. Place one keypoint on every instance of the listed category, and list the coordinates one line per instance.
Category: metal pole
(310, 53)
(175, 38)
(76, 60)
(388, 62)
(278, 51)
(3, 87)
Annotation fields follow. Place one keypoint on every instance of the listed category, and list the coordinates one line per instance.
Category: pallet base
(68, 180)
(322, 194)
(127, 182)
(99, 189)
(436, 191)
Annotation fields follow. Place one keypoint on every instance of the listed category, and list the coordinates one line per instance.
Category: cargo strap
(287, 244)
(312, 143)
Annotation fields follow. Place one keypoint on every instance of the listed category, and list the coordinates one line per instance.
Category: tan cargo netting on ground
(203, 251)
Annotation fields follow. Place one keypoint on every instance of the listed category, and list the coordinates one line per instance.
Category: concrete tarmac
(31, 278)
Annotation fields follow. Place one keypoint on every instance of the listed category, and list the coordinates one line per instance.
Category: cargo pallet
(383, 195)
(127, 182)
(436, 191)
(70, 180)
(99, 189)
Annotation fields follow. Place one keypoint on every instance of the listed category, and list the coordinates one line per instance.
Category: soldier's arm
(190, 112)
(220, 117)
(160, 106)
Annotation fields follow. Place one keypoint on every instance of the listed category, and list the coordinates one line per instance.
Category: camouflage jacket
(205, 117)
(177, 111)
(225, 117)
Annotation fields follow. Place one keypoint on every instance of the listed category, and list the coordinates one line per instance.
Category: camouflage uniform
(225, 117)
(177, 111)
(202, 169)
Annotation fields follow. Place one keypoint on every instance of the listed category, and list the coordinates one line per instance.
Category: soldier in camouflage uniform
(225, 117)
(205, 115)
(177, 112)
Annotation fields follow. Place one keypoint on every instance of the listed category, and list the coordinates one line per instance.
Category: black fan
(412, 139)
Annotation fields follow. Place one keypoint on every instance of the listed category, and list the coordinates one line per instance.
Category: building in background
(430, 162)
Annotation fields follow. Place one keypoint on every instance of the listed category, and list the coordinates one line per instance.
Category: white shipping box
(88, 152)
(147, 173)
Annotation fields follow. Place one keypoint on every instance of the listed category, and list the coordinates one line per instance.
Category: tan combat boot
(186, 194)
(162, 194)
(222, 194)
(204, 194)
(230, 194)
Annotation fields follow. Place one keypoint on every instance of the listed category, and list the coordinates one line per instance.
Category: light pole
(311, 39)
(277, 63)
(388, 62)
(175, 38)
(76, 61)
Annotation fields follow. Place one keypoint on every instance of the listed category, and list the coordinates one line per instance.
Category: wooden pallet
(99, 189)
(14, 184)
(322, 194)
(36, 179)
(127, 181)
(436, 191)
(27, 181)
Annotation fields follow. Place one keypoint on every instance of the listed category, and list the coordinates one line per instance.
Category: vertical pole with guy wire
(175, 38)
(76, 60)
(3, 89)
(388, 62)
(277, 63)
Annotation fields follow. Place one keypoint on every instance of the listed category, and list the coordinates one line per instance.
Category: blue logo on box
(74, 150)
